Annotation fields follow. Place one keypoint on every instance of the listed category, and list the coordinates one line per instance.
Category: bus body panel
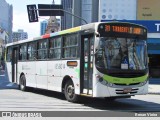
(21, 69)
(54, 75)
(30, 73)
(9, 71)
(105, 91)
(73, 73)
(41, 74)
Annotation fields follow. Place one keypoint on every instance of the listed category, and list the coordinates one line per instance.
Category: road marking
(10, 84)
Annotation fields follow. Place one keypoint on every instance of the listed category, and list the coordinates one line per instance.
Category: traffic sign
(50, 10)
(32, 13)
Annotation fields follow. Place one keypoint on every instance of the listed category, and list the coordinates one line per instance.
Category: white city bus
(106, 60)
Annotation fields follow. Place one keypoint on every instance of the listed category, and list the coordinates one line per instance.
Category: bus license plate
(127, 90)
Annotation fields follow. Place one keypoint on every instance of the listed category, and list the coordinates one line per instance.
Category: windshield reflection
(122, 53)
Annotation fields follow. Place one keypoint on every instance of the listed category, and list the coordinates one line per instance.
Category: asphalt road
(37, 100)
(12, 99)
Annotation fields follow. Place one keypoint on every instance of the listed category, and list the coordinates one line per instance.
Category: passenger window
(42, 49)
(70, 46)
(31, 51)
(22, 52)
(9, 54)
(55, 48)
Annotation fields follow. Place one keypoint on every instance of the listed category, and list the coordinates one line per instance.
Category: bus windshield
(122, 53)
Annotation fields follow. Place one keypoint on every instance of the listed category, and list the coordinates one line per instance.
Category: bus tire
(69, 92)
(22, 83)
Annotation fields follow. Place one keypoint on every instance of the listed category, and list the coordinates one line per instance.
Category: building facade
(43, 26)
(117, 10)
(86, 9)
(3, 41)
(97, 10)
(19, 35)
(53, 24)
(66, 20)
(6, 18)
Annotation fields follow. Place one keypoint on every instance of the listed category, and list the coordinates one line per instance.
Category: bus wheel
(69, 92)
(22, 83)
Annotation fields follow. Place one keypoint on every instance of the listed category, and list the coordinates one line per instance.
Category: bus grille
(125, 84)
(127, 75)
(121, 91)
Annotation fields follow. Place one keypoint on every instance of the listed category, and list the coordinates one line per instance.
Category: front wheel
(22, 83)
(69, 92)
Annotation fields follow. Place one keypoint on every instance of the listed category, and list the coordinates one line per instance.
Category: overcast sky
(20, 16)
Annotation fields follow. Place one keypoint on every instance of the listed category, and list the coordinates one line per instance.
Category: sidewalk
(4, 82)
(8, 85)
(154, 89)
(2, 72)
(154, 85)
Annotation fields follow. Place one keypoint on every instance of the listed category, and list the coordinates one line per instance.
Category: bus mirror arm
(98, 48)
(97, 34)
(35, 58)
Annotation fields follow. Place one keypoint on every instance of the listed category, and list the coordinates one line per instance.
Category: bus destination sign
(124, 29)
(121, 30)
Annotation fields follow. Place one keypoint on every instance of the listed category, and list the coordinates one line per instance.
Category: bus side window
(20, 56)
(9, 54)
(70, 46)
(55, 48)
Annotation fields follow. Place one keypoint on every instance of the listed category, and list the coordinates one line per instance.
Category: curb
(155, 93)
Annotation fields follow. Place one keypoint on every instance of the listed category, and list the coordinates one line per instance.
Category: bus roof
(75, 29)
(71, 30)
(90, 26)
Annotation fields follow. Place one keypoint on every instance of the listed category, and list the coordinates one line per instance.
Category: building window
(55, 48)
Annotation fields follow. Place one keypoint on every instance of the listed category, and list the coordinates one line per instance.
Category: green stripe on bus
(77, 70)
(126, 81)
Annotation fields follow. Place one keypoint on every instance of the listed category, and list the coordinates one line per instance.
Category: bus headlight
(102, 81)
(110, 84)
(143, 83)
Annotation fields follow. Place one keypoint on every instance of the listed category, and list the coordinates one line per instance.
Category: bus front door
(87, 54)
(14, 64)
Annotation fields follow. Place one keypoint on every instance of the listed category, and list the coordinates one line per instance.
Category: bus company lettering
(60, 66)
(158, 26)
